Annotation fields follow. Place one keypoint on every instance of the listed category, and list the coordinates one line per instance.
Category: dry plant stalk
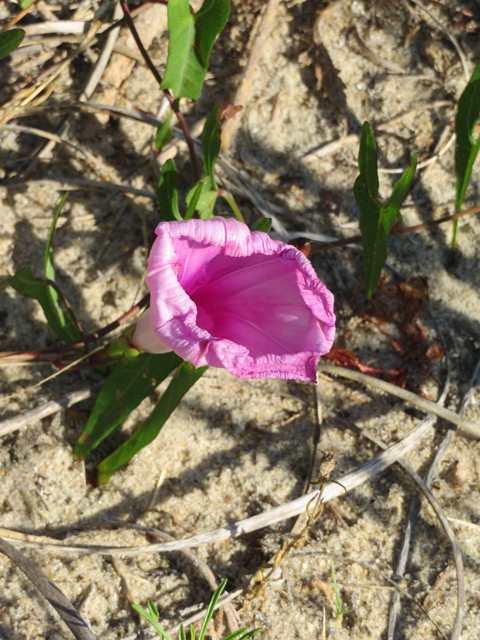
(268, 571)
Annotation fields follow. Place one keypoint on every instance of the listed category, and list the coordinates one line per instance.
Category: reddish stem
(168, 95)
(432, 223)
(56, 352)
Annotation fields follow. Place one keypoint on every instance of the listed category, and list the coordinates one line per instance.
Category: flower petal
(224, 296)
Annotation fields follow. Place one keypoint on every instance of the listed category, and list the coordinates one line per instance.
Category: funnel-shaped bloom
(225, 296)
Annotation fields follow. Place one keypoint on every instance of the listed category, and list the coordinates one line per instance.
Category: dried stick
(451, 37)
(52, 593)
(86, 93)
(471, 428)
(332, 147)
(34, 415)
(60, 184)
(128, 597)
(332, 490)
(255, 56)
(416, 506)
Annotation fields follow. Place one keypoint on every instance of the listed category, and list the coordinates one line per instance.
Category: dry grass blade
(291, 509)
(52, 593)
(62, 184)
(415, 510)
(48, 409)
(469, 427)
(450, 36)
(242, 94)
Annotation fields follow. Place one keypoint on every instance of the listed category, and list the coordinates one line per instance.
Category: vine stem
(56, 352)
(168, 95)
(418, 227)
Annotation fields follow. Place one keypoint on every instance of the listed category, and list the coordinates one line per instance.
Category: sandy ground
(234, 449)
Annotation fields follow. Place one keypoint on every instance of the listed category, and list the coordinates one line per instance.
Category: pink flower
(224, 296)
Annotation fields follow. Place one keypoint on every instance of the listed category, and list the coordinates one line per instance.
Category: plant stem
(56, 352)
(168, 95)
(316, 246)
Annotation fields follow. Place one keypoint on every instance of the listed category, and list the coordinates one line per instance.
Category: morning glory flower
(228, 297)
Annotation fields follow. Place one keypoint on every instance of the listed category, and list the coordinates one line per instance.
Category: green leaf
(247, 635)
(24, 4)
(206, 199)
(167, 192)
(264, 225)
(466, 149)
(49, 269)
(211, 609)
(210, 20)
(193, 201)
(185, 71)
(132, 380)
(25, 283)
(184, 378)
(164, 133)
(191, 40)
(367, 161)
(376, 221)
(10, 41)
(211, 144)
(400, 190)
(152, 619)
(181, 633)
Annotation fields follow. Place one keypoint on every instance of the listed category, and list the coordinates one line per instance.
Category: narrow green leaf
(367, 161)
(164, 133)
(206, 200)
(231, 202)
(373, 235)
(211, 144)
(192, 632)
(181, 633)
(376, 221)
(264, 225)
(185, 71)
(392, 207)
(167, 192)
(246, 636)
(184, 378)
(466, 149)
(25, 283)
(152, 608)
(152, 619)
(24, 4)
(193, 201)
(132, 380)
(210, 20)
(9, 40)
(211, 609)
(49, 269)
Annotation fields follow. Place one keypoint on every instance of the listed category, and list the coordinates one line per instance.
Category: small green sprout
(152, 616)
